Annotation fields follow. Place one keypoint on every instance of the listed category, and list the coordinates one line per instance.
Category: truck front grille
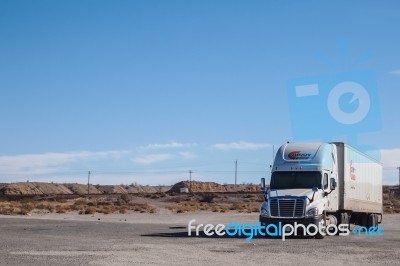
(289, 208)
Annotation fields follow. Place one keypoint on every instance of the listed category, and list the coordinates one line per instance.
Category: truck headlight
(264, 212)
(312, 212)
(264, 209)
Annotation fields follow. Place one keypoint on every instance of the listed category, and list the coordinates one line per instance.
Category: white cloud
(171, 145)
(187, 155)
(241, 145)
(152, 158)
(47, 163)
(390, 157)
(395, 72)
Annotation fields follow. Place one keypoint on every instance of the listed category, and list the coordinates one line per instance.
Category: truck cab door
(332, 203)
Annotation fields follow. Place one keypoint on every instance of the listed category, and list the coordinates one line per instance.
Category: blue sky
(144, 91)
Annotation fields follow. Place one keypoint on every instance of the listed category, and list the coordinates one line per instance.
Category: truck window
(325, 184)
(295, 179)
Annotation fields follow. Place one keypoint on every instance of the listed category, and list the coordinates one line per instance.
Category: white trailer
(360, 181)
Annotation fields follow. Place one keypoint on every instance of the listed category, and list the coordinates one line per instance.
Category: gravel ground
(161, 239)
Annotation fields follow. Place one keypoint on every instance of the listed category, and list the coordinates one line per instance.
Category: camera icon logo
(359, 93)
(334, 106)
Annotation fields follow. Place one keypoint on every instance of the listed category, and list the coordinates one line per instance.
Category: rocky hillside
(34, 188)
(80, 189)
(197, 187)
(38, 188)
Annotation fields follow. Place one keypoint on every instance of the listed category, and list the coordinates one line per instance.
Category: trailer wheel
(344, 219)
(372, 220)
(364, 220)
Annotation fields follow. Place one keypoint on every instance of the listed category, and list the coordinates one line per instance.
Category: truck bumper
(265, 221)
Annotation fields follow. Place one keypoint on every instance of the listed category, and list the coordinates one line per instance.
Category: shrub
(90, 210)
(50, 208)
(61, 209)
(207, 198)
(40, 206)
(125, 198)
(7, 211)
(122, 210)
(103, 210)
(25, 208)
(80, 202)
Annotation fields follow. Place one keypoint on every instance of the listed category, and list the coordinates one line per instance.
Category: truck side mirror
(263, 184)
(333, 183)
(314, 189)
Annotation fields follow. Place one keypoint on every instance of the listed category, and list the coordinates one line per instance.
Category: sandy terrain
(151, 229)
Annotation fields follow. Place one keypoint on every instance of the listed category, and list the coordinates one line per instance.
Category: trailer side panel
(362, 180)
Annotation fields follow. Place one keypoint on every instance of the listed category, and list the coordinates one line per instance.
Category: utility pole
(236, 172)
(190, 180)
(88, 180)
(399, 176)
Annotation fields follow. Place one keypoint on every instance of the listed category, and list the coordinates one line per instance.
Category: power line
(172, 172)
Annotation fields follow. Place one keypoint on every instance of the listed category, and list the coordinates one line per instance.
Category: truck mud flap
(381, 217)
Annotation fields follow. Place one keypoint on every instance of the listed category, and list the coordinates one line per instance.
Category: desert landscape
(43, 198)
(28, 198)
(48, 224)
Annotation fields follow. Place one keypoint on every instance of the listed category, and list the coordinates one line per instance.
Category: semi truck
(322, 184)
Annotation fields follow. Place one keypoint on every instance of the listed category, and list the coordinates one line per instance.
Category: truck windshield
(289, 180)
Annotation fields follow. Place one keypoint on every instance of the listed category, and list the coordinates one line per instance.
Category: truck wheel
(319, 235)
(364, 220)
(372, 220)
